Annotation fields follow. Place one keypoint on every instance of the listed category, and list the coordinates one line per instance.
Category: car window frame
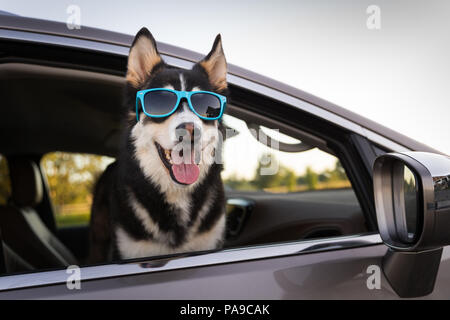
(277, 110)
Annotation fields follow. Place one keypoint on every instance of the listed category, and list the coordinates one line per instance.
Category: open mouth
(183, 172)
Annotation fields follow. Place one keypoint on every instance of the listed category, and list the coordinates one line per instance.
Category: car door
(332, 272)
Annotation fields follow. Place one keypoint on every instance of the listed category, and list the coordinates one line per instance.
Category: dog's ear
(143, 57)
(215, 65)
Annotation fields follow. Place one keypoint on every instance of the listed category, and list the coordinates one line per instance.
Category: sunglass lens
(206, 105)
(160, 102)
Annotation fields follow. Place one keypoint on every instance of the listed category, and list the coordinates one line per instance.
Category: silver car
(380, 233)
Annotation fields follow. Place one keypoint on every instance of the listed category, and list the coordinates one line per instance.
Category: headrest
(26, 183)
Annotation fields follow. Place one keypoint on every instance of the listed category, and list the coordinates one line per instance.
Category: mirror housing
(412, 200)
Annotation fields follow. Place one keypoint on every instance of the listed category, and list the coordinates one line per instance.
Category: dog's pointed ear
(215, 65)
(143, 57)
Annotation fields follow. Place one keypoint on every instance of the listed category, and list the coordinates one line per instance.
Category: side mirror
(412, 200)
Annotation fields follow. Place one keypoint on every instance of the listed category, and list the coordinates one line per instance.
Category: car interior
(50, 104)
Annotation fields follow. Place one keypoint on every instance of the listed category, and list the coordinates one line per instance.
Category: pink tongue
(185, 173)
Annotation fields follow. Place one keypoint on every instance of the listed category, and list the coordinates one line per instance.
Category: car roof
(13, 22)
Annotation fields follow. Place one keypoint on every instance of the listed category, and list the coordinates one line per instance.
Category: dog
(145, 205)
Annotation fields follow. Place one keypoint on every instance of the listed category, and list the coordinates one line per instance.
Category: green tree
(71, 177)
(311, 178)
(290, 180)
(338, 173)
(5, 183)
(235, 183)
(284, 176)
(323, 176)
(267, 180)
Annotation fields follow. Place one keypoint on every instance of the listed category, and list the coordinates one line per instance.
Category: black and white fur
(138, 208)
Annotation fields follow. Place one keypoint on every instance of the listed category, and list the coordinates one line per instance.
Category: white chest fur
(130, 248)
(160, 244)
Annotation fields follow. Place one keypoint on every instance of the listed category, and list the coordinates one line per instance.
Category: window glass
(252, 166)
(71, 179)
(5, 182)
(279, 193)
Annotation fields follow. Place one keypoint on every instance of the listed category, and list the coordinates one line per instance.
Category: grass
(329, 185)
(71, 220)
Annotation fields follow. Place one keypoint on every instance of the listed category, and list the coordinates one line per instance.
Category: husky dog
(158, 198)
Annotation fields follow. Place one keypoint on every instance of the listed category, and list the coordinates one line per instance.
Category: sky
(397, 75)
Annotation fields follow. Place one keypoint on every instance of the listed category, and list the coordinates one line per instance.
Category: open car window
(252, 165)
(276, 196)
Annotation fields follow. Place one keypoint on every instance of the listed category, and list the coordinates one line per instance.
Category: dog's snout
(188, 128)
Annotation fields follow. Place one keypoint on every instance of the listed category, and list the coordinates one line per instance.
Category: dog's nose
(189, 128)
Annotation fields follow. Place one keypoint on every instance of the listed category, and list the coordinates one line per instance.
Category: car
(315, 237)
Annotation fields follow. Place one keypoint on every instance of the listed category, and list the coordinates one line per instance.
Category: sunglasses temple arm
(137, 112)
(223, 110)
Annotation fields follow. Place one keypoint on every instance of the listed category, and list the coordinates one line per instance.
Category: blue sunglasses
(162, 102)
